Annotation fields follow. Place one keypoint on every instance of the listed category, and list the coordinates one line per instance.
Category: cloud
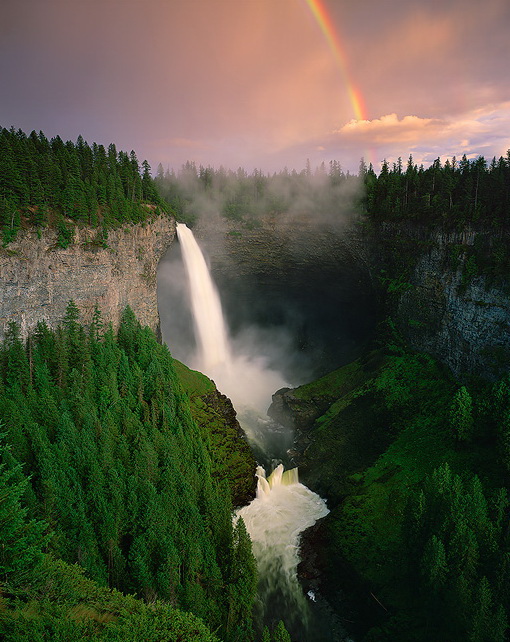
(481, 131)
(256, 83)
(390, 129)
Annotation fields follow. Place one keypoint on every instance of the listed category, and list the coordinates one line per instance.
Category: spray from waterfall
(244, 377)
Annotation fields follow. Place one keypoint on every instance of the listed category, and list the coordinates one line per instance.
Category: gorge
(373, 308)
(283, 508)
(304, 279)
(418, 280)
(461, 320)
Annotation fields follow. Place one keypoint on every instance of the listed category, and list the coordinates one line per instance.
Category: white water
(245, 378)
(207, 314)
(283, 507)
(275, 519)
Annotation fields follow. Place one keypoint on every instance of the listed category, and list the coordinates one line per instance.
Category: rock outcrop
(295, 412)
(462, 319)
(38, 278)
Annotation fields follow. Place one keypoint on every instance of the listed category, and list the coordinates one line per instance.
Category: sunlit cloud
(389, 128)
(485, 130)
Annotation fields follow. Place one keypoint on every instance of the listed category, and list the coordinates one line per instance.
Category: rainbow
(319, 12)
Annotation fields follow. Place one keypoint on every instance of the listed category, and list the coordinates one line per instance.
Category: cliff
(308, 277)
(38, 278)
(454, 308)
(447, 292)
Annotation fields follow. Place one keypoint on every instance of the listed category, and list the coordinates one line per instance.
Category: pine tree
(242, 585)
(482, 613)
(461, 415)
(435, 568)
(21, 539)
(280, 634)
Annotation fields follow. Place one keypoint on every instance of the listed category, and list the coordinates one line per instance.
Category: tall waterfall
(283, 507)
(207, 313)
(244, 378)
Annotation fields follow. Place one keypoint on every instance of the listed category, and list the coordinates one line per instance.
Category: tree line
(53, 182)
(453, 193)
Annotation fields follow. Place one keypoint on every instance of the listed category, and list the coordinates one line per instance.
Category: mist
(288, 222)
(250, 375)
(216, 198)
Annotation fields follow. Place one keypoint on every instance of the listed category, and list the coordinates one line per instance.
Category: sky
(261, 84)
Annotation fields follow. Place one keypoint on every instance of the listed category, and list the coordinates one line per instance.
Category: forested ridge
(103, 466)
(61, 183)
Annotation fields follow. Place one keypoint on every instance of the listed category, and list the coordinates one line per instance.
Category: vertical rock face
(463, 321)
(311, 278)
(38, 278)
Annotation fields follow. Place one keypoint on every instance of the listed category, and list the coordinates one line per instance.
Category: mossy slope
(369, 454)
(229, 450)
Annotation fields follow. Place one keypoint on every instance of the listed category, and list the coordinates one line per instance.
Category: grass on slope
(62, 605)
(216, 418)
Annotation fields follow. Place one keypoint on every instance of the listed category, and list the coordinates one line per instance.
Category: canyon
(329, 286)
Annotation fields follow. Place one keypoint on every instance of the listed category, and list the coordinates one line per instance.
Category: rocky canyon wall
(323, 281)
(38, 278)
(311, 279)
(453, 309)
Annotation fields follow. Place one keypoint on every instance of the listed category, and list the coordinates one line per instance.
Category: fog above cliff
(272, 243)
(217, 199)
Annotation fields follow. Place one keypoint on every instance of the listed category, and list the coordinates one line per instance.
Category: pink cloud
(389, 128)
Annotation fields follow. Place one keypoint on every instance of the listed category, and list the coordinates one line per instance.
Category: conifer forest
(117, 497)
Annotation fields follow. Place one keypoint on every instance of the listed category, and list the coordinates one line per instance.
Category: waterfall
(283, 507)
(275, 519)
(207, 313)
(244, 378)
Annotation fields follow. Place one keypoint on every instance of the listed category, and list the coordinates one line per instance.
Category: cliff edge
(38, 278)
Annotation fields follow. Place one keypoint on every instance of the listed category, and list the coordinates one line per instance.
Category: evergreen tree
(461, 415)
(22, 539)
(243, 584)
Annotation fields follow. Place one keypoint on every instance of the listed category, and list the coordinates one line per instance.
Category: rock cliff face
(309, 278)
(37, 278)
(322, 284)
(462, 320)
(318, 281)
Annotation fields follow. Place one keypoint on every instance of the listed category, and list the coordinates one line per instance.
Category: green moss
(369, 453)
(194, 383)
(230, 453)
(342, 381)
